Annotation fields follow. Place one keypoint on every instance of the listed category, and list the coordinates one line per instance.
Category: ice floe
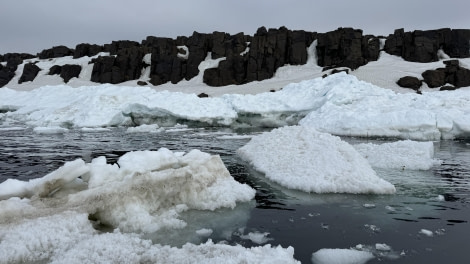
(304, 159)
(339, 104)
(406, 154)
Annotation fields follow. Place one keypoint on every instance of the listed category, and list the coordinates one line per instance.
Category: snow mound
(304, 159)
(146, 191)
(405, 154)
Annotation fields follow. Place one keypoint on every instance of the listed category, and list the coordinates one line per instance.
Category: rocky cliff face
(243, 58)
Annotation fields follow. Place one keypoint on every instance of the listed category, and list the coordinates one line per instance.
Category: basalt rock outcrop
(451, 77)
(243, 58)
(66, 72)
(410, 82)
(30, 71)
(423, 46)
(452, 74)
(346, 47)
(12, 61)
(55, 52)
(85, 49)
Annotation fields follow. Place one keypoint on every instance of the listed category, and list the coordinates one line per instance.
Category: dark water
(307, 222)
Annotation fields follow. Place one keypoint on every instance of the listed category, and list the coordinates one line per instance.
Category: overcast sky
(33, 25)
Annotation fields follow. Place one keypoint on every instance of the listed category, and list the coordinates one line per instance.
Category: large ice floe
(54, 218)
(339, 104)
(304, 159)
(405, 154)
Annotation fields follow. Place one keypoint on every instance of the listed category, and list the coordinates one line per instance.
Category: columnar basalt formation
(346, 47)
(244, 58)
(423, 46)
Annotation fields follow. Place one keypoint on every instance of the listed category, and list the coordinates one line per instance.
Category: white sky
(33, 25)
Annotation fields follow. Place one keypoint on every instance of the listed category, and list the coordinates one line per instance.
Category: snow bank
(146, 192)
(304, 159)
(407, 154)
(69, 237)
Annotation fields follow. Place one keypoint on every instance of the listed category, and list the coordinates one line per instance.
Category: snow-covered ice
(355, 108)
(69, 237)
(304, 159)
(146, 192)
(339, 104)
(48, 219)
(257, 237)
(406, 154)
(341, 256)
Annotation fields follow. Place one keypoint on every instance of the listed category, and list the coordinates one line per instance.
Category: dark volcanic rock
(410, 82)
(56, 69)
(165, 64)
(127, 65)
(434, 78)
(346, 47)
(30, 71)
(422, 46)
(202, 95)
(198, 46)
(116, 46)
(141, 83)
(452, 73)
(86, 49)
(15, 59)
(70, 71)
(55, 52)
(462, 78)
(5, 76)
(447, 88)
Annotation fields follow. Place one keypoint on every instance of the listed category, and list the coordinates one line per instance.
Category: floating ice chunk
(426, 232)
(341, 256)
(69, 237)
(257, 237)
(145, 129)
(46, 185)
(407, 154)
(382, 247)
(204, 232)
(367, 205)
(304, 159)
(147, 193)
(151, 188)
(43, 237)
(94, 129)
(235, 137)
(50, 130)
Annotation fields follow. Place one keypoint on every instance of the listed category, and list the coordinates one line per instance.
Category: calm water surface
(437, 200)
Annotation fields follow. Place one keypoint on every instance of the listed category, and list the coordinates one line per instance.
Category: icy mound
(69, 237)
(146, 193)
(355, 108)
(405, 154)
(305, 159)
